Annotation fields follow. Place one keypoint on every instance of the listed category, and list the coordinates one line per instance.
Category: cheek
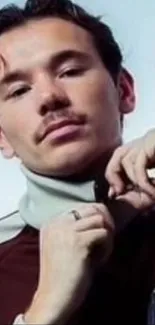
(97, 98)
(16, 123)
(99, 101)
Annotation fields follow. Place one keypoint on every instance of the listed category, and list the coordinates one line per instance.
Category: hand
(128, 166)
(65, 256)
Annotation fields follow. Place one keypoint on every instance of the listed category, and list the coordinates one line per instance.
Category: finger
(139, 200)
(96, 215)
(128, 166)
(92, 209)
(114, 169)
(83, 210)
(95, 222)
(107, 218)
(88, 223)
(93, 237)
(142, 176)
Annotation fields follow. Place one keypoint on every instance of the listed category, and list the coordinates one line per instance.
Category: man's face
(59, 107)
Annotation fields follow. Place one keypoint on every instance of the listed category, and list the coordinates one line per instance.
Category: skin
(65, 256)
(134, 159)
(51, 88)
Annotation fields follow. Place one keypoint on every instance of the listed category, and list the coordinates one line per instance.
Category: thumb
(138, 199)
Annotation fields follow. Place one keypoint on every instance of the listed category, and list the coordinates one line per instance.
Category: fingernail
(111, 192)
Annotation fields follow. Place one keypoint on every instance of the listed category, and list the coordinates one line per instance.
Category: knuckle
(108, 171)
(101, 208)
(103, 212)
(99, 219)
(120, 152)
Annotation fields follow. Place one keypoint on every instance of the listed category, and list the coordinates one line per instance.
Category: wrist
(44, 311)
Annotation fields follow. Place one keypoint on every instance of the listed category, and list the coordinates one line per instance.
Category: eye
(19, 92)
(72, 72)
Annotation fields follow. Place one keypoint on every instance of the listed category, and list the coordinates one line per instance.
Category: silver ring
(76, 215)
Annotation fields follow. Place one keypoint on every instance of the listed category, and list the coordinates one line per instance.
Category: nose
(52, 95)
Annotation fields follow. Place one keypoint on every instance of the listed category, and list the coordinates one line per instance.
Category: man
(63, 95)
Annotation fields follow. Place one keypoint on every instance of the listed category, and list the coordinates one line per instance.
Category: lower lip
(64, 133)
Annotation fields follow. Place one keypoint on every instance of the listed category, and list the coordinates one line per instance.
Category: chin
(67, 160)
(74, 164)
(68, 168)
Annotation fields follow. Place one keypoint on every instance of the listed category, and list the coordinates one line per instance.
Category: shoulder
(10, 226)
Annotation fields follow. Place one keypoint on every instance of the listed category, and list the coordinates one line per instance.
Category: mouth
(63, 129)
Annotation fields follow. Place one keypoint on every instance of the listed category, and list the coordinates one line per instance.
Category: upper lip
(57, 125)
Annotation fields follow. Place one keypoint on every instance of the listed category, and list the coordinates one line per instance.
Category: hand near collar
(127, 172)
(67, 263)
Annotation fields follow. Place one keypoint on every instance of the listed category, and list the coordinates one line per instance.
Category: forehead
(25, 44)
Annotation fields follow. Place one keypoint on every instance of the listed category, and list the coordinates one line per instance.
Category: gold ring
(76, 215)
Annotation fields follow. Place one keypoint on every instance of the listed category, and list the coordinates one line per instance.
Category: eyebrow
(11, 77)
(55, 60)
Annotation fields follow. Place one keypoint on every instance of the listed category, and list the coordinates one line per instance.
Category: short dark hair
(12, 16)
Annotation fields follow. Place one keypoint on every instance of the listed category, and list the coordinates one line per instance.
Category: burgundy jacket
(120, 291)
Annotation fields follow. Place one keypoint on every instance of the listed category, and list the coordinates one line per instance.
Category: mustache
(56, 117)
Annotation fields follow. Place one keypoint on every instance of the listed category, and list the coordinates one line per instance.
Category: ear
(126, 92)
(5, 146)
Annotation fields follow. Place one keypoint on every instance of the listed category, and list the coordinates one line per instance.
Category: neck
(48, 198)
